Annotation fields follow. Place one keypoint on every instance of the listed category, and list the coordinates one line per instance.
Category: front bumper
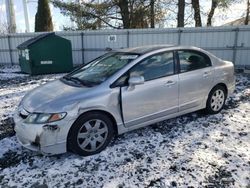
(48, 139)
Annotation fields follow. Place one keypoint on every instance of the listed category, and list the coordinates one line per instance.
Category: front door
(157, 97)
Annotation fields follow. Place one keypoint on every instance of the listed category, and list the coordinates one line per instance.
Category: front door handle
(170, 82)
(206, 74)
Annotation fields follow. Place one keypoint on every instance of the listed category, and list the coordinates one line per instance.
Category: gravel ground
(194, 150)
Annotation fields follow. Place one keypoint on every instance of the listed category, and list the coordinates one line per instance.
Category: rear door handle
(170, 82)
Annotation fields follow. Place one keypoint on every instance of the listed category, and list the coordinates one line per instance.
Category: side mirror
(136, 80)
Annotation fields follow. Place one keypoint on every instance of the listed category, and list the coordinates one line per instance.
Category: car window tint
(156, 66)
(191, 60)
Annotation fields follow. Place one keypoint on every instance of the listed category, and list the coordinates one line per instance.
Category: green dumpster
(45, 54)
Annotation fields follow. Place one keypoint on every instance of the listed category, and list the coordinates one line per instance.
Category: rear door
(157, 97)
(195, 78)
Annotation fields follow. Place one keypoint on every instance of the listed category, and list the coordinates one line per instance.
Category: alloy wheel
(92, 135)
(217, 100)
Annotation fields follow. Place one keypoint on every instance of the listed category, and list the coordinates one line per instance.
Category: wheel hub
(92, 135)
(217, 100)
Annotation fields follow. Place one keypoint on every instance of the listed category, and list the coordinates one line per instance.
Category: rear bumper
(39, 137)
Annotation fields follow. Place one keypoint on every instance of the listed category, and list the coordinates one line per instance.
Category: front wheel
(90, 134)
(216, 100)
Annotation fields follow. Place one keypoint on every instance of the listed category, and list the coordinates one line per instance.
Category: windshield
(101, 68)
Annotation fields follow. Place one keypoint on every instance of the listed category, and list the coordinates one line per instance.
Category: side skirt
(122, 129)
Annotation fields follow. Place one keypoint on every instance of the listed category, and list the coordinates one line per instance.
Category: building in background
(240, 21)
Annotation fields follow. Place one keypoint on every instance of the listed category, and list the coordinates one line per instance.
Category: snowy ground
(194, 150)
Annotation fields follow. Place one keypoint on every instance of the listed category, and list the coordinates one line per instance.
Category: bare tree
(197, 14)
(124, 10)
(247, 13)
(215, 4)
(152, 13)
(116, 14)
(181, 13)
(211, 12)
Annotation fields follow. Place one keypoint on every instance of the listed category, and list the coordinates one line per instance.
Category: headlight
(44, 118)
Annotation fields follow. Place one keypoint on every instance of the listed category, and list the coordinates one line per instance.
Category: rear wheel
(216, 100)
(90, 134)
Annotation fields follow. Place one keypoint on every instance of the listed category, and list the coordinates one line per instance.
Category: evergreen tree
(43, 20)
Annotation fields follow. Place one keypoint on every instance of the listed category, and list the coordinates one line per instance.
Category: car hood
(51, 96)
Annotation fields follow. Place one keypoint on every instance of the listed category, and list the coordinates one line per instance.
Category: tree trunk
(152, 13)
(124, 7)
(197, 15)
(181, 13)
(247, 15)
(211, 13)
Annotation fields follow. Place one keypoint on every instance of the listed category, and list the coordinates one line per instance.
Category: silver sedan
(119, 92)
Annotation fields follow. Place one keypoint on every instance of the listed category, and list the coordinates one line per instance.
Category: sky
(221, 16)
(58, 19)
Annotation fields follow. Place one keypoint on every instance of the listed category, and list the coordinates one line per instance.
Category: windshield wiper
(73, 79)
(89, 83)
(79, 81)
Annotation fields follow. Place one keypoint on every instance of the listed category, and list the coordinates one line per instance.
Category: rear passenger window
(192, 60)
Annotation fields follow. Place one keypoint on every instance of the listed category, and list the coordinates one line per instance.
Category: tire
(216, 100)
(90, 134)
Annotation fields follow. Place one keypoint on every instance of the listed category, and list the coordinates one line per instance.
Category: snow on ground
(194, 150)
(13, 86)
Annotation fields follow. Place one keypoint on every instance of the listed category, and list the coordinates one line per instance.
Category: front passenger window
(154, 67)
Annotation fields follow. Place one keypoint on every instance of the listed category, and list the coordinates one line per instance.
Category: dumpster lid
(34, 40)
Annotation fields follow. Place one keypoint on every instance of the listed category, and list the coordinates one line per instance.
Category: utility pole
(11, 21)
(26, 15)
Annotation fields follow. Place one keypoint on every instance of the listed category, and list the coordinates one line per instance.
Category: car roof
(141, 50)
(145, 49)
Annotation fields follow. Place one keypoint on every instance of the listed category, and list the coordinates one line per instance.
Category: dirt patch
(6, 128)
(222, 178)
(13, 158)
